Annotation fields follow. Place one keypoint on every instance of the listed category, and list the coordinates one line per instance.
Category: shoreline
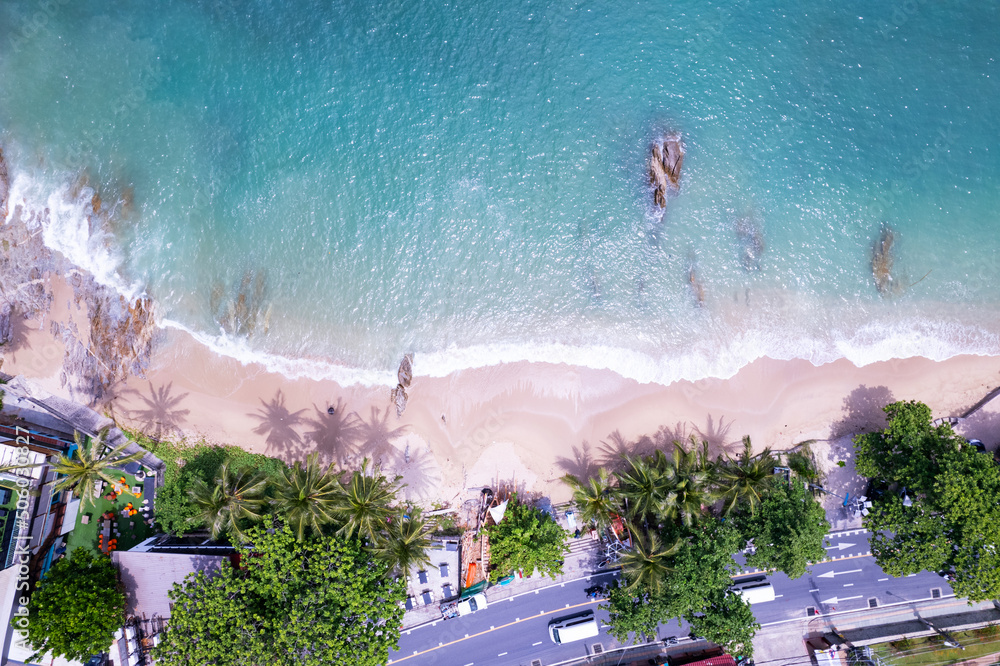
(524, 422)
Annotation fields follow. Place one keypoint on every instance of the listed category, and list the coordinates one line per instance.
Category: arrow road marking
(841, 546)
(831, 574)
(836, 600)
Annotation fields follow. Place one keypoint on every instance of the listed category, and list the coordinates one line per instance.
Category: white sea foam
(870, 345)
(68, 224)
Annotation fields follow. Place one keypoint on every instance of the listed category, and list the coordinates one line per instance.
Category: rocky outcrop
(665, 162)
(6, 325)
(404, 375)
(4, 186)
(882, 258)
(751, 239)
(405, 372)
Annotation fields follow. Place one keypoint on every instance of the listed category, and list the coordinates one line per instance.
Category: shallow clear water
(347, 183)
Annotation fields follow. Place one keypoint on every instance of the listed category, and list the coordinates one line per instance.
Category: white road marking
(534, 644)
(882, 580)
(840, 546)
(836, 600)
(848, 584)
(816, 590)
(832, 574)
(910, 575)
(501, 654)
(778, 596)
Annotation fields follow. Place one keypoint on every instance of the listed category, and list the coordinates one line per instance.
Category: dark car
(978, 445)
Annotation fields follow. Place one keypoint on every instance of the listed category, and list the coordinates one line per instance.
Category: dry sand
(523, 422)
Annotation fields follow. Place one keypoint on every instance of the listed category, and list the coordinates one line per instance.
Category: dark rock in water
(6, 327)
(752, 243)
(4, 186)
(673, 161)
(405, 373)
(658, 176)
(399, 398)
(665, 162)
(882, 258)
(697, 288)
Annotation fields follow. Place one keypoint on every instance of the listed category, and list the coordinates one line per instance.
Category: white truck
(462, 607)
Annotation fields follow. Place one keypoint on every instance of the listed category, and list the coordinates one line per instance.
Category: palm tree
(593, 498)
(746, 479)
(366, 504)
(647, 563)
(407, 541)
(83, 469)
(306, 496)
(641, 487)
(237, 495)
(688, 482)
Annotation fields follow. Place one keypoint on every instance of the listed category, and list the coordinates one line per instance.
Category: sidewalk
(580, 562)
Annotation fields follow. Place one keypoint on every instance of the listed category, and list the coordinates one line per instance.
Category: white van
(754, 591)
(574, 628)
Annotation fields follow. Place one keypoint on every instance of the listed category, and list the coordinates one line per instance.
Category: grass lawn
(924, 652)
(85, 536)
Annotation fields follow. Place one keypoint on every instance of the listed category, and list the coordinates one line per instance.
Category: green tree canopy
(76, 608)
(175, 512)
(527, 540)
(318, 602)
(787, 530)
(953, 521)
(695, 587)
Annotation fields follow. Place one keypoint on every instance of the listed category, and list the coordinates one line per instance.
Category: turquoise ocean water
(325, 186)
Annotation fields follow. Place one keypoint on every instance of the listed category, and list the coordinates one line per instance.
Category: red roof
(724, 660)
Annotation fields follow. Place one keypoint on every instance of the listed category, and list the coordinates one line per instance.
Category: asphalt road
(515, 630)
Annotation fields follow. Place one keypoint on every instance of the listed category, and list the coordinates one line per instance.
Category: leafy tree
(787, 531)
(76, 608)
(953, 521)
(322, 601)
(695, 588)
(306, 496)
(526, 540)
(728, 620)
(89, 464)
(366, 504)
(236, 497)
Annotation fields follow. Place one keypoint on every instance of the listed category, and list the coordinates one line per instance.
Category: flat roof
(149, 577)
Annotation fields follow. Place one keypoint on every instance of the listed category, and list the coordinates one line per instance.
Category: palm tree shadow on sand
(376, 438)
(716, 434)
(162, 415)
(335, 436)
(277, 424)
(582, 465)
(420, 474)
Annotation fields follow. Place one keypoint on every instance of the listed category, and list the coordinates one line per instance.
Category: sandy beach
(527, 423)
